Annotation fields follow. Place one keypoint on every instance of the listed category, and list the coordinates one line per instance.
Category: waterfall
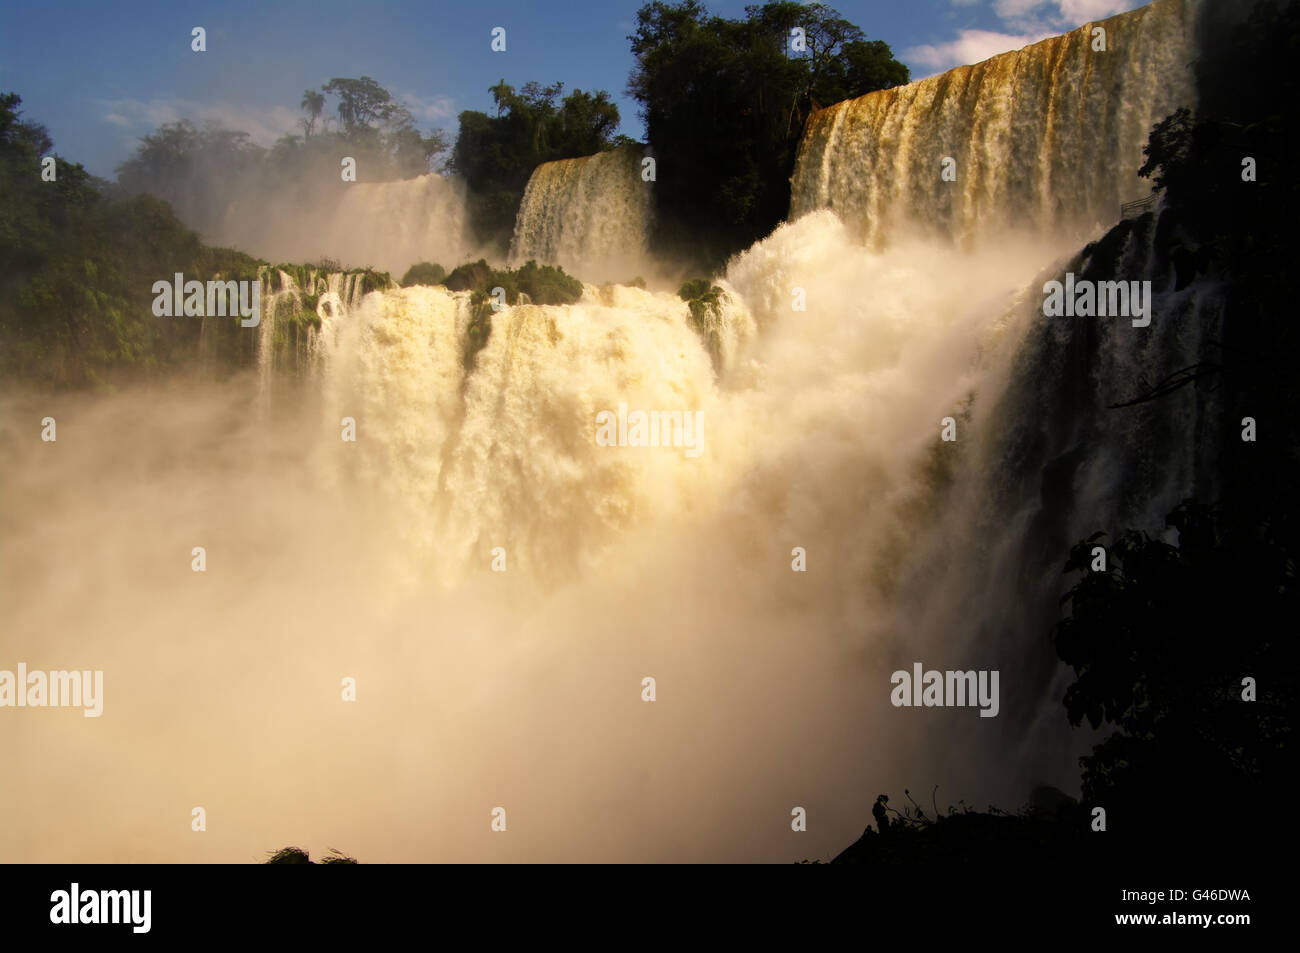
(821, 422)
(393, 225)
(590, 216)
(302, 311)
(499, 580)
(1047, 139)
(385, 225)
(820, 431)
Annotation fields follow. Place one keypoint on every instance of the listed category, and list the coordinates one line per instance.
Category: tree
(424, 273)
(1226, 220)
(725, 101)
(76, 267)
(203, 171)
(1160, 643)
(497, 154)
(362, 103)
(374, 124)
(313, 103)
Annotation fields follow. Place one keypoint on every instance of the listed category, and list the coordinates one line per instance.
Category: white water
(385, 225)
(1047, 139)
(372, 560)
(522, 689)
(590, 216)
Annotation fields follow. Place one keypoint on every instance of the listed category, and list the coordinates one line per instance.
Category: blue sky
(99, 75)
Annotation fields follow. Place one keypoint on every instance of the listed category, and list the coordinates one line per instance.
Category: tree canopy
(497, 154)
(76, 269)
(724, 102)
(1161, 642)
(201, 170)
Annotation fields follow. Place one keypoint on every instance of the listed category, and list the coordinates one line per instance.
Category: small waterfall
(302, 312)
(393, 225)
(466, 455)
(1047, 139)
(384, 225)
(590, 216)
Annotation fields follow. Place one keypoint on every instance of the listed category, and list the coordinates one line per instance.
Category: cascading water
(821, 425)
(590, 216)
(384, 225)
(300, 319)
(499, 581)
(1047, 139)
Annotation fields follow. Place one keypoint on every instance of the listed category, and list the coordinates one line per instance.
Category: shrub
(424, 273)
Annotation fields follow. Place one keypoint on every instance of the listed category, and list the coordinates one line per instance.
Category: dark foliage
(497, 154)
(725, 102)
(1161, 642)
(296, 855)
(424, 273)
(77, 270)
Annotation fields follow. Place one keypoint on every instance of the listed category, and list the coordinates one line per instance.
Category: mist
(522, 689)
(498, 586)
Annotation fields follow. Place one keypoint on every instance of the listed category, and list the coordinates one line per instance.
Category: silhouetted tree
(1161, 643)
(724, 102)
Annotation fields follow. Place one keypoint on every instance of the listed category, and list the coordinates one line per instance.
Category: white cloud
(1023, 22)
(1006, 9)
(1058, 15)
(971, 46)
(1079, 12)
(132, 113)
(263, 125)
(429, 110)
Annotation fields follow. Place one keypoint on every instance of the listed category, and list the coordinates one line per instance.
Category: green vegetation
(497, 154)
(179, 159)
(294, 316)
(542, 284)
(77, 271)
(310, 279)
(201, 171)
(704, 299)
(303, 276)
(472, 276)
(531, 284)
(205, 171)
(78, 263)
(546, 284)
(478, 330)
(1162, 642)
(424, 273)
(725, 103)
